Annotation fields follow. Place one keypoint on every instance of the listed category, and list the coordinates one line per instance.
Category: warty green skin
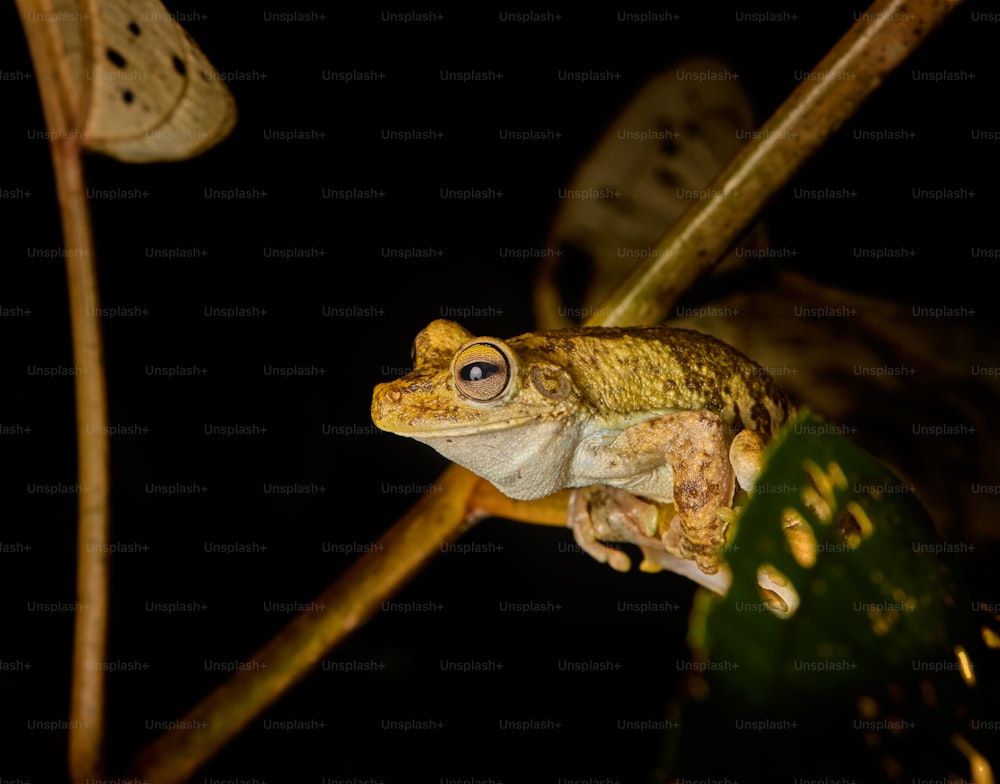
(570, 388)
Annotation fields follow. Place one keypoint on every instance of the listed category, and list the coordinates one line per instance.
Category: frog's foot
(598, 512)
(702, 537)
(611, 514)
(675, 541)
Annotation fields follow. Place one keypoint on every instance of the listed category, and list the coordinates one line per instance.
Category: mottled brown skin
(651, 410)
(628, 369)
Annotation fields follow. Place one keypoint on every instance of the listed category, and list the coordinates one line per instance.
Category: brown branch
(86, 734)
(887, 33)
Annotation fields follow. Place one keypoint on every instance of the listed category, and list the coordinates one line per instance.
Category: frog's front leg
(680, 458)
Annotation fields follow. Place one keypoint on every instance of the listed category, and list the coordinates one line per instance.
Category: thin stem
(86, 734)
(90, 631)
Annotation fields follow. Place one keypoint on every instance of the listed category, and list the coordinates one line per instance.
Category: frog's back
(630, 370)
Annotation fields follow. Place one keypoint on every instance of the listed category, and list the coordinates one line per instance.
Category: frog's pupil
(477, 371)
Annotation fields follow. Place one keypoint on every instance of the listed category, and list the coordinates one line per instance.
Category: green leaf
(883, 661)
(879, 596)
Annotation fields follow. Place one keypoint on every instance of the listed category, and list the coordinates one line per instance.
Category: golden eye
(482, 371)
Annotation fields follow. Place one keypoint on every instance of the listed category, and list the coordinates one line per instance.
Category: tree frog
(638, 417)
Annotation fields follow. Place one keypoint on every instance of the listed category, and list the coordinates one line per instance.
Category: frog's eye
(482, 371)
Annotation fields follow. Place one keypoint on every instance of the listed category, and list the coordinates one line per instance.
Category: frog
(653, 428)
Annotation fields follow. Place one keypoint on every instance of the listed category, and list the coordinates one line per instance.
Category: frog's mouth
(463, 431)
(437, 418)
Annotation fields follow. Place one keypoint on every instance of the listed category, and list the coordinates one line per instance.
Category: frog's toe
(746, 456)
(581, 522)
(601, 552)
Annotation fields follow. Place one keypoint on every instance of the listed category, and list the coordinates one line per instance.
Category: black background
(318, 429)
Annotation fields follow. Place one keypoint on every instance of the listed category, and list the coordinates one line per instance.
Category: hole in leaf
(777, 591)
(134, 28)
(116, 58)
(855, 526)
(128, 96)
(800, 537)
(179, 65)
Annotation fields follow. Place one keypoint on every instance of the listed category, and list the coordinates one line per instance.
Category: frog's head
(481, 404)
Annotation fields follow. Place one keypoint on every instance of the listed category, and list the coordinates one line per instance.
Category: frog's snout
(383, 398)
